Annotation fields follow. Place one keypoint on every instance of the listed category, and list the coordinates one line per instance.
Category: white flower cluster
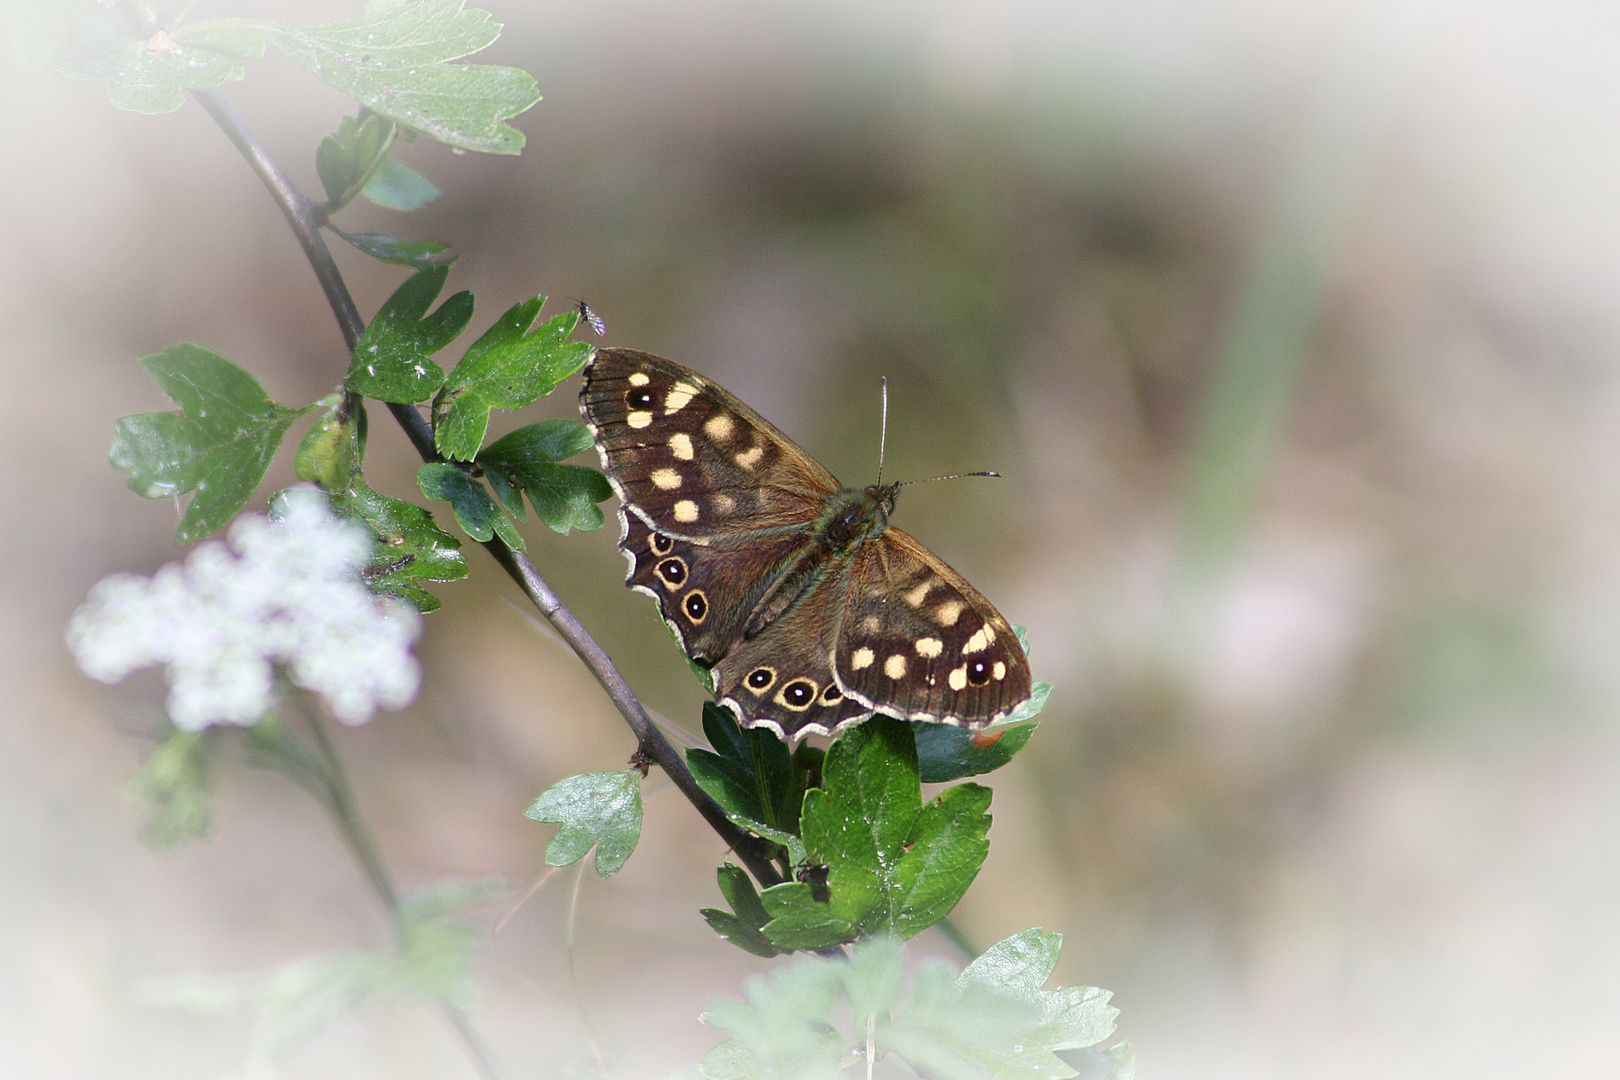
(285, 591)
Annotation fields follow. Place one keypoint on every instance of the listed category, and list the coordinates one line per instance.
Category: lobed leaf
(411, 548)
(741, 925)
(509, 367)
(946, 752)
(600, 810)
(219, 446)
(396, 62)
(475, 510)
(391, 359)
(564, 496)
(413, 254)
(346, 159)
(151, 73)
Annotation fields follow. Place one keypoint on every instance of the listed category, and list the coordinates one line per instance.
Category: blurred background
(1292, 327)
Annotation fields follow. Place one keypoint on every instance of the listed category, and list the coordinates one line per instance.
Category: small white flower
(285, 591)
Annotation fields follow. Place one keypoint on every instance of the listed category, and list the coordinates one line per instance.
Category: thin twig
(305, 218)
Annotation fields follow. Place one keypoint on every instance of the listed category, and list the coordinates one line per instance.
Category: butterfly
(809, 609)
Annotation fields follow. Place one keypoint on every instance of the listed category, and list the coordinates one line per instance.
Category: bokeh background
(1292, 326)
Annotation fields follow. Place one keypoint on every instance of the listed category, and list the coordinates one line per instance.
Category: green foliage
(411, 548)
(475, 509)
(946, 753)
(219, 447)
(398, 187)
(754, 779)
(412, 254)
(527, 460)
(149, 73)
(744, 924)
(600, 810)
(391, 359)
(347, 158)
(433, 962)
(820, 1017)
(509, 367)
(172, 785)
(396, 62)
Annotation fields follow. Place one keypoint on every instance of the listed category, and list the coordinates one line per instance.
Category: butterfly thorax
(855, 515)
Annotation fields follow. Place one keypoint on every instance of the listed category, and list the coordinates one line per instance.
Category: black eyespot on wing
(672, 571)
(661, 544)
(798, 694)
(832, 695)
(639, 397)
(696, 606)
(978, 672)
(760, 678)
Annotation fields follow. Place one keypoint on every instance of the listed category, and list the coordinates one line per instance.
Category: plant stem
(305, 219)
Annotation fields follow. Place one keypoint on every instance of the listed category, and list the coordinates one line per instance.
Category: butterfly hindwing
(919, 642)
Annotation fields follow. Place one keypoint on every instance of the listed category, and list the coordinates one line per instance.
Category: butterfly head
(856, 515)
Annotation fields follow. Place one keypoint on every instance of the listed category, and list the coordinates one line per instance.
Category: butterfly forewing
(690, 456)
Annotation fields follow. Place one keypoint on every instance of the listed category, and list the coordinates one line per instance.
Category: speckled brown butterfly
(810, 609)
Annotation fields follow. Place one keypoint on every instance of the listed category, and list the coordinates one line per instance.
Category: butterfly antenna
(952, 476)
(883, 429)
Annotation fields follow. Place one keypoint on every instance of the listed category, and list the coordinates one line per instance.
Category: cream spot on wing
(930, 646)
(665, 479)
(678, 396)
(895, 666)
(750, 457)
(982, 637)
(871, 624)
(862, 658)
(686, 511)
(718, 427)
(915, 596)
(680, 444)
(948, 612)
(639, 378)
(638, 419)
(958, 677)
(723, 503)
(1000, 670)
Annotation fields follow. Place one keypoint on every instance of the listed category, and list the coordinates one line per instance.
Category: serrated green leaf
(396, 62)
(946, 752)
(172, 785)
(600, 810)
(476, 512)
(346, 159)
(391, 360)
(750, 772)
(219, 447)
(509, 367)
(394, 186)
(411, 548)
(414, 254)
(565, 496)
(893, 865)
(741, 925)
(150, 73)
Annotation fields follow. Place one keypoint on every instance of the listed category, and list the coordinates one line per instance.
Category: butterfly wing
(689, 458)
(918, 642)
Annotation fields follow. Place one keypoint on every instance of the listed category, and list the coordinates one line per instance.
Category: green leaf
(782, 1028)
(391, 359)
(414, 254)
(219, 447)
(893, 865)
(749, 772)
(346, 159)
(396, 63)
(150, 74)
(476, 512)
(946, 752)
(507, 368)
(398, 187)
(411, 548)
(332, 449)
(599, 809)
(172, 785)
(741, 925)
(1031, 708)
(435, 960)
(565, 496)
